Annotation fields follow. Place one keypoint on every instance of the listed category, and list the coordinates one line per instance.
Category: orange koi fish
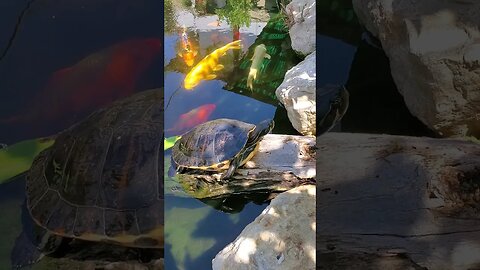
(215, 23)
(207, 66)
(192, 118)
(188, 52)
(94, 81)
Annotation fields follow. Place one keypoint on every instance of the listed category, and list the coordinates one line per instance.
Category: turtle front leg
(231, 170)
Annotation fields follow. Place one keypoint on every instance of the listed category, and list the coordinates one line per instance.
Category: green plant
(187, 3)
(170, 19)
(236, 12)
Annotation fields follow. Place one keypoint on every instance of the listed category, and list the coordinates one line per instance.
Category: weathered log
(281, 163)
(396, 202)
(94, 255)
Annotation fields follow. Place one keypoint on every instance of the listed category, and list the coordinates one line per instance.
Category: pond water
(57, 59)
(197, 230)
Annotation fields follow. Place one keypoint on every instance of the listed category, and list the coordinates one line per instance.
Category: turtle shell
(212, 145)
(102, 179)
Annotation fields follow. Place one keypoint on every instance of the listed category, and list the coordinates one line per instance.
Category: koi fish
(188, 52)
(205, 68)
(93, 82)
(258, 55)
(192, 118)
(215, 23)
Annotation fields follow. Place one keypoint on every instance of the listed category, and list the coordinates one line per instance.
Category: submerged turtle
(332, 103)
(101, 180)
(220, 145)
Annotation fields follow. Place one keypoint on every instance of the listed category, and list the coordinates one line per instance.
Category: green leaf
(169, 142)
(17, 158)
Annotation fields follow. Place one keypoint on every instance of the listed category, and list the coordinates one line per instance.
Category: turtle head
(265, 127)
(333, 105)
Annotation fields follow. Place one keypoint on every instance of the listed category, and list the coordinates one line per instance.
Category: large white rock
(434, 52)
(297, 94)
(281, 238)
(302, 32)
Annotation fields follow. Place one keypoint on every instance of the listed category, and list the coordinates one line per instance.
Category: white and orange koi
(258, 55)
(188, 52)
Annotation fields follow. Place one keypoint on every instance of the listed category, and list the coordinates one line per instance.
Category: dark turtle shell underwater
(102, 179)
(218, 144)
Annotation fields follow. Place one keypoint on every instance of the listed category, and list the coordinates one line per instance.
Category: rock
(282, 237)
(301, 15)
(434, 52)
(297, 94)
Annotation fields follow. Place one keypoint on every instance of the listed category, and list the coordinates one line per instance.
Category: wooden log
(396, 202)
(95, 255)
(281, 163)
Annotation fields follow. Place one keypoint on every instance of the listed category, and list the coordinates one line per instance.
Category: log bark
(395, 202)
(82, 255)
(281, 163)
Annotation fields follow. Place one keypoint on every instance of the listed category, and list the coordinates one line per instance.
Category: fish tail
(250, 82)
(232, 46)
(235, 45)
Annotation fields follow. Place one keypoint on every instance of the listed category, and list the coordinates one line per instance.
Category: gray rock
(434, 51)
(297, 94)
(282, 237)
(302, 15)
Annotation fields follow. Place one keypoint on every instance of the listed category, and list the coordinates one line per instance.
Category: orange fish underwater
(94, 81)
(192, 118)
(207, 66)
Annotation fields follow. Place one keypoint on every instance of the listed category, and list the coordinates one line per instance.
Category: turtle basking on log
(220, 145)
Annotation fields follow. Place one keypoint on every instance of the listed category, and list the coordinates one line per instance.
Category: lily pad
(16, 159)
(170, 141)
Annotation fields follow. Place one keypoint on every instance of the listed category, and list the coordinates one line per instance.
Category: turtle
(220, 145)
(101, 180)
(332, 105)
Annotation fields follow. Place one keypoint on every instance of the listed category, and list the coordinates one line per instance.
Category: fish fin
(250, 83)
(218, 67)
(211, 77)
(268, 56)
